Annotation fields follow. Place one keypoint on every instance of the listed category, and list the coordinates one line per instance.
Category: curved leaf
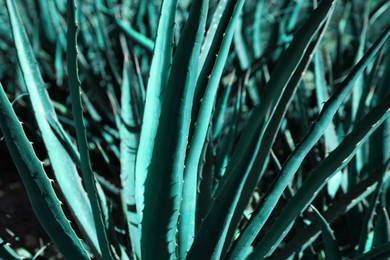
(85, 163)
(164, 181)
(44, 202)
(319, 177)
(156, 87)
(62, 163)
(330, 244)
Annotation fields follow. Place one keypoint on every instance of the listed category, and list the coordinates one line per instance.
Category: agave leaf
(6, 252)
(63, 166)
(243, 157)
(141, 11)
(330, 136)
(226, 147)
(58, 64)
(213, 65)
(136, 36)
(211, 164)
(340, 37)
(294, 16)
(210, 239)
(262, 158)
(212, 33)
(156, 87)
(320, 175)
(380, 252)
(45, 203)
(86, 170)
(257, 30)
(305, 238)
(56, 23)
(129, 135)
(371, 80)
(61, 5)
(102, 25)
(295, 160)
(46, 21)
(369, 216)
(278, 34)
(164, 183)
(240, 45)
(207, 84)
(382, 228)
(40, 251)
(213, 57)
(282, 74)
(359, 83)
(220, 110)
(206, 183)
(331, 248)
(152, 14)
(357, 91)
(241, 247)
(378, 11)
(98, 19)
(379, 149)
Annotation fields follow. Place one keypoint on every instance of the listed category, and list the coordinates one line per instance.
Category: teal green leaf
(320, 175)
(317, 129)
(129, 135)
(63, 166)
(164, 182)
(357, 91)
(307, 236)
(220, 110)
(369, 216)
(212, 33)
(330, 136)
(45, 19)
(330, 244)
(213, 57)
(136, 36)
(382, 228)
(261, 160)
(257, 29)
(378, 11)
(6, 252)
(379, 151)
(85, 163)
(194, 32)
(240, 45)
(379, 252)
(45, 203)
(156, 88)
(207, 86)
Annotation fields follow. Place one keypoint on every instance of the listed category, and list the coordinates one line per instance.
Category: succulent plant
(226, 129)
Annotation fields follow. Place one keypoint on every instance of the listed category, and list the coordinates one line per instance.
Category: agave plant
(202, 129)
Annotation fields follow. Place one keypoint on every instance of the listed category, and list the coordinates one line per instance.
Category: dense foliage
(226, 129)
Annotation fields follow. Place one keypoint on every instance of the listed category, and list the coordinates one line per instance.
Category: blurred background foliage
(256, 47)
